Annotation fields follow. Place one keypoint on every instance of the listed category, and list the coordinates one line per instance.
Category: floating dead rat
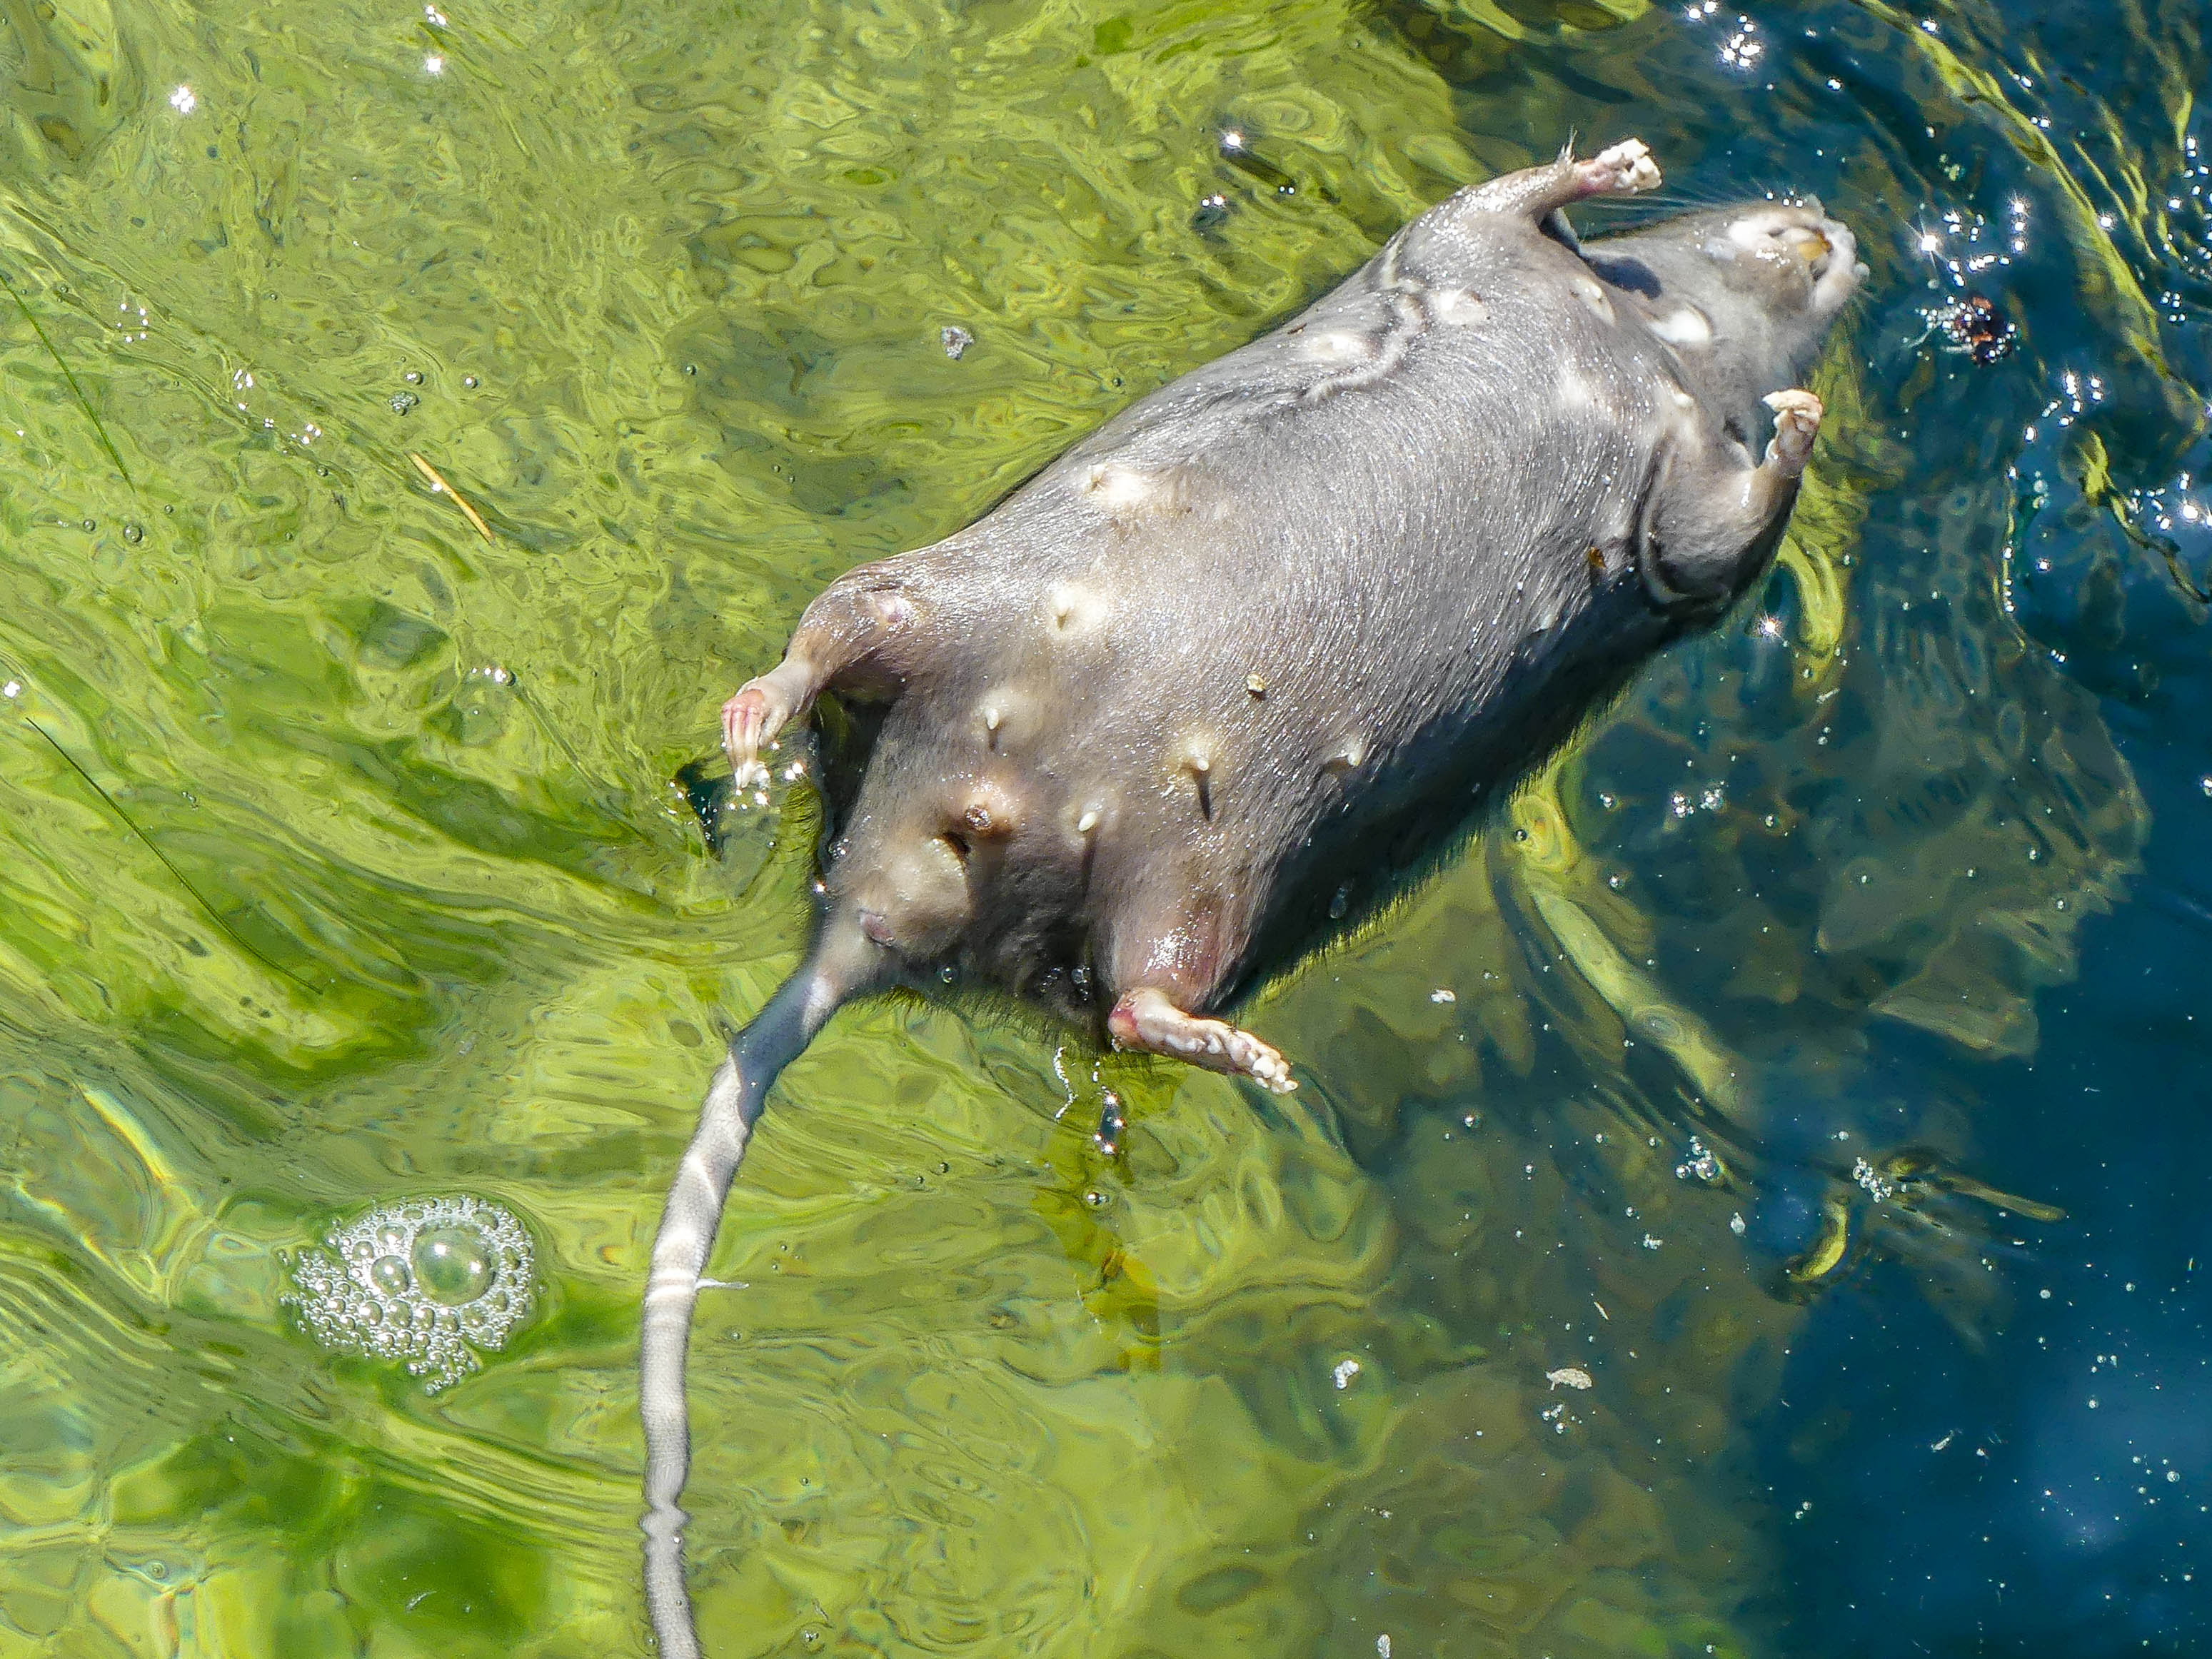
(1297, 615)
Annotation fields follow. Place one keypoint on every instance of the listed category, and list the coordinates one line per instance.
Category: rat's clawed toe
(1796, 419)
(1623, 169)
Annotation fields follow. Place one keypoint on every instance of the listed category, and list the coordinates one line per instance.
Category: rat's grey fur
(1316, 599)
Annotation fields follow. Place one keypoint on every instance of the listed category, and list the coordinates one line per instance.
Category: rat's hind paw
(749, 719)
(1796, 419)
(1625, 169)
(1146, 1019)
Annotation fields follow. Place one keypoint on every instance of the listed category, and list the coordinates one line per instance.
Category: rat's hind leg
(1172, 958)
(843, 634)
(1714, 521)
(1625, 169)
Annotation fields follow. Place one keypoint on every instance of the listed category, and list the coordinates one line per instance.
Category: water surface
(343, 865)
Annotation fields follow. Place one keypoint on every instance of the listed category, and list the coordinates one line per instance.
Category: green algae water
(1749, 1202)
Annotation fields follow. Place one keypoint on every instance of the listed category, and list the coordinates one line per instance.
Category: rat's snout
(1800, 237)
(1837, 272)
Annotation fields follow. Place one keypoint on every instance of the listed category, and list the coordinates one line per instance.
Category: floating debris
(1973, 326)
(1572, 1377)
(438, 485)
(955, 339)
(1235, 147)
(1344, 1371)
(429, 1280)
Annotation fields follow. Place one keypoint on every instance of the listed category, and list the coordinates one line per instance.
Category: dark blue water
(2022, 1466)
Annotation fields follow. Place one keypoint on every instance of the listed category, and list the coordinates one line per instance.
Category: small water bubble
(389, 1273)
(470, 381)
(955, 339)
(1095, 1200)
(413, 377)
(1344, 1371)
(134, 533)
(2205, 784)
(92, 524)
(1112, 1124)
(403, 401)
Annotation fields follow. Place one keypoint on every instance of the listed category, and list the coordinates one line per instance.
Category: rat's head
(1744, 294)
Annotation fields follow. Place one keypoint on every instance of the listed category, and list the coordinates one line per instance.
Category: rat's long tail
(777, 1035)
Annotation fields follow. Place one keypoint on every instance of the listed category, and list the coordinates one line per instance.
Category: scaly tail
(841, 963)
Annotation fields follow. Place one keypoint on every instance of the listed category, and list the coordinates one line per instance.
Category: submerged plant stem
(131, 825)
(82, 402)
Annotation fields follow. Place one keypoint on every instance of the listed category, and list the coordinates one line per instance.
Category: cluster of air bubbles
(428, 1281)
(1877, 1185)
(1709, 799)
(1698, 1161)
(403, 401)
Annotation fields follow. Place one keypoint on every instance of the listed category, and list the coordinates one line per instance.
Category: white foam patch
(428, 1281)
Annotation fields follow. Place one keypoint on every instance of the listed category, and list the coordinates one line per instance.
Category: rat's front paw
(1796, 419)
